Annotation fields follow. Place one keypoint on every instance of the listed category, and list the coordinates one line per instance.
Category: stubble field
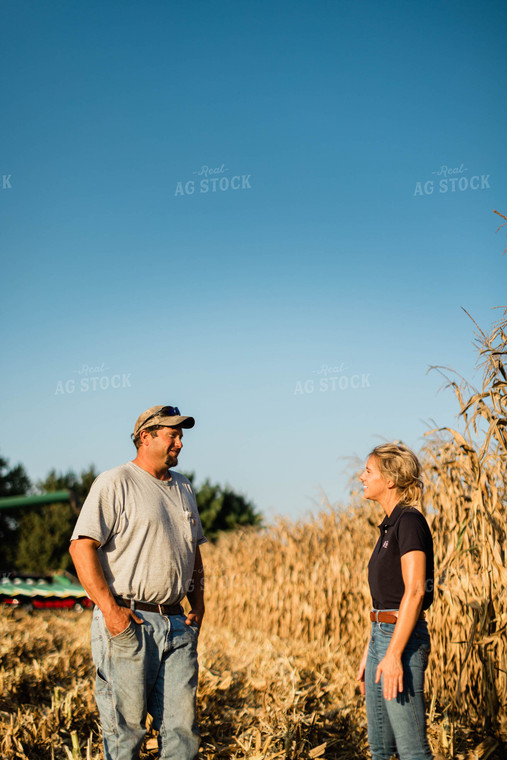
(283, 635)
(259, 697)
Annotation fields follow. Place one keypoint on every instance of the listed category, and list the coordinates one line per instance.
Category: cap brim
(185, 422)
(174, 421)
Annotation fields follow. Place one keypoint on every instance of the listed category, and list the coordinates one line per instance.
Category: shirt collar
(390, 520)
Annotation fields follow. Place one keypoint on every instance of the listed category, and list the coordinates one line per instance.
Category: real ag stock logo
(453, 179)
(213, 179)
(332, 379)
(93, 378)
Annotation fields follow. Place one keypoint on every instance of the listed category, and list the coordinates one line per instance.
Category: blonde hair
(398, 463)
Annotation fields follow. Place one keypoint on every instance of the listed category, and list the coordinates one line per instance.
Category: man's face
(163, 450)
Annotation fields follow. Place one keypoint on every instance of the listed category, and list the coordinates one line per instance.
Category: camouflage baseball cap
(162, 415)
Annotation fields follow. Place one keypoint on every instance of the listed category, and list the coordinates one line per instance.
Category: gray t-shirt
(148, 531)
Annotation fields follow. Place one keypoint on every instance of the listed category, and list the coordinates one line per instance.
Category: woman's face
(374, 484)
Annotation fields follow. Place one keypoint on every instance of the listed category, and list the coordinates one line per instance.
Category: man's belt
(163, 609)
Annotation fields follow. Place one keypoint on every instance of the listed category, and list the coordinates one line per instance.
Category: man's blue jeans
(149, 668)
(398, 726)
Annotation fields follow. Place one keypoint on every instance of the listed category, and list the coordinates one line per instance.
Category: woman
(400, 575)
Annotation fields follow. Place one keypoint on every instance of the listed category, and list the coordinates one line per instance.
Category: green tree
(44, 531)
(220, 508)
(13, 482)
(79, 484)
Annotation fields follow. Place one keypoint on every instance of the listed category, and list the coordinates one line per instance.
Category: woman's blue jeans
(398, 726)
(148, 668)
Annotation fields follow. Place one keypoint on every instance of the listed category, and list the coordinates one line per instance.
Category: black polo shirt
(405, 530)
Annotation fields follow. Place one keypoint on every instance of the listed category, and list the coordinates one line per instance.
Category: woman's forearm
(408, 615)
(413, 566)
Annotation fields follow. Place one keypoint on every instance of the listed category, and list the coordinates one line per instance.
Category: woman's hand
(392, 671)
(362, 668)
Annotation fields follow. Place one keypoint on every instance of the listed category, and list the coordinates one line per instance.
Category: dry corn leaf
(318, 751)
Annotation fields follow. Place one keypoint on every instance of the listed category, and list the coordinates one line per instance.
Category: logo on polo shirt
(385, 544)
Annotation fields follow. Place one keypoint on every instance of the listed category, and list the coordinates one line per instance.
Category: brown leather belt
(379, 616)
(163, 609)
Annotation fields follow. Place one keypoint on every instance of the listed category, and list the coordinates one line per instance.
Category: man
(136, 551)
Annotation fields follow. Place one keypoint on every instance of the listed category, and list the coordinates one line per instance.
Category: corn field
(287, 621)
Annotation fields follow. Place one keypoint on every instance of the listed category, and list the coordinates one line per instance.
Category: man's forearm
(89, 570)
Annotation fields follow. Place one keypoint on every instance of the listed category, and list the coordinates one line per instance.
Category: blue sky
(352, 154)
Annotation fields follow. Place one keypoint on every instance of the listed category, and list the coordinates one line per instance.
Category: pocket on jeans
(417, 650)
(124, 635)
(423, 654)
(419, 640)
(189, 626)
(101, 685)
(386, 629)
